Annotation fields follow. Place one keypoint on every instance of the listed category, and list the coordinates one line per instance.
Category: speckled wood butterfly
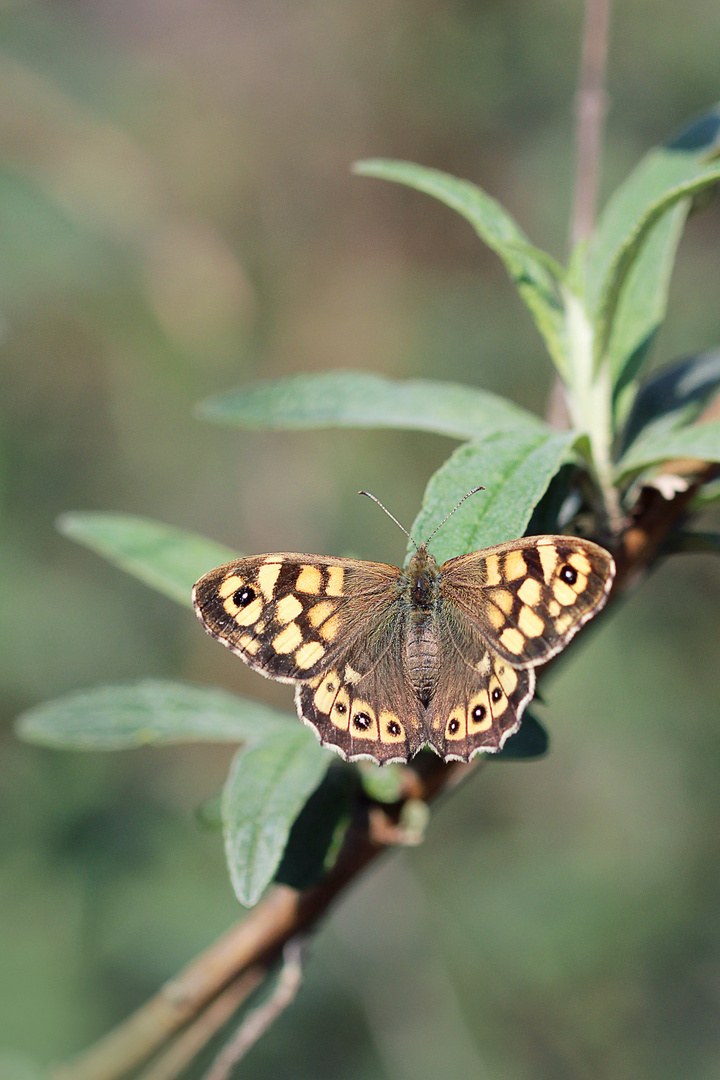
(386, 660)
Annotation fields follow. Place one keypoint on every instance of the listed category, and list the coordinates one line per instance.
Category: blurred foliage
(178, 217)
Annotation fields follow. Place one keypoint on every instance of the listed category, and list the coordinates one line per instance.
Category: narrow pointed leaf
(168, 559)
(359, 399)
(701, 441)
(515, 470)
(267, 788)
(536, 275)
(154, 711)
(680, 159)
(630, 249)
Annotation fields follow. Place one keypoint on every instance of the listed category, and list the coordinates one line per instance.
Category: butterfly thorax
(421, 580)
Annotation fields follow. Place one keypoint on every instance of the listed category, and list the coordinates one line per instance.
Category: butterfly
(387, 660)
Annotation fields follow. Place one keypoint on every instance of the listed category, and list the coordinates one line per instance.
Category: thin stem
(259, 1020)
(590, 110)
(174, 1060)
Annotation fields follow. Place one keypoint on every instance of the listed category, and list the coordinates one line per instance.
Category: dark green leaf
(539, 279)
(675, 394)
(643, 297)
(314, 835)
(701, 441)
(358, 399)
(118, 717)
(267, 788)
(168, 559)
(634, 333)
(515, 470)
(530, 741)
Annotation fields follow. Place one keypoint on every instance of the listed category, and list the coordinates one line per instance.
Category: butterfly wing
(480, 696)
(362, 705)
(336, 627)
(529, 597)
(288, 615)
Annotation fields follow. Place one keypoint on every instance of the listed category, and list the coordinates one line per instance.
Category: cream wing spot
(336, 577)
(329, 629)
(554, 608)
(326, 692)
(563, 593)
(580, 562)
(498, 698)
(309, 580)
(512, 640)
(515, 566)
(318, 613)
(248, 615)
(288, 639)
(548, 560)
(492, 569)
(529, 592)
(309, 654)
(267, 576)
(479, 716)
(495, 617)
(483, 665)
(229, 586)
(508, 678)
(249, 644)
(363, 721)
(340, 712)
(504, 600)
(288, 609)
(391, 729)
(530, 623)
(456, 726)
(351, 675)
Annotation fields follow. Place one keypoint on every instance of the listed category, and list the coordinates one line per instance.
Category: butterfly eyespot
(496, 695)
(454, 725)
(568, 574)
(244, 596)
(393, 728)
(362, 722)
(330, 686)
(340, 707)
(477, 714)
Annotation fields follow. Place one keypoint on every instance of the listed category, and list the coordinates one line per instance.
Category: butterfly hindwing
(479, 698)
(361, 706)
(529, 597)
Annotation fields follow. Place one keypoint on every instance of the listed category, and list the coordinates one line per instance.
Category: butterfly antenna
(391, 516)
(473, 492)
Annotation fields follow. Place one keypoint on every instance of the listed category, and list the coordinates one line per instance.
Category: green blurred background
(177, 216)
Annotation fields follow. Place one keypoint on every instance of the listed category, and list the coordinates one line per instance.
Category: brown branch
(590, 110)
(173, 1061)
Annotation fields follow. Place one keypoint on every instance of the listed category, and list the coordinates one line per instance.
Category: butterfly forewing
(287, 615)
(529, 597)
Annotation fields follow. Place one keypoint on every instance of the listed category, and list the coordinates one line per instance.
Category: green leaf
(318, 830)
(515, 469)
(675, 394)
(118, 717)
(529, 741)
(267, 788)
(536, 275)
(168, 559)
(700, 441)
(639, 307)
(680, 159)
(358, 399)
(631, 248)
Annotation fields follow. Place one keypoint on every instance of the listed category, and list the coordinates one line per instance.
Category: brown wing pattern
(361, 705)
(480, 696)
(529, 597)
(288, 615)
